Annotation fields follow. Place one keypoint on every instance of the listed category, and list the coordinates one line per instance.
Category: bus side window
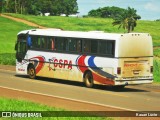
(94, 46)
(106, 48)
(72, 44)
(44, 42)
(102, 47)
(52, 44)
(110, 48)
(60, 44)
(34, 40)
(79, 45)
(87, 46)
(38, 42)
(65, 44)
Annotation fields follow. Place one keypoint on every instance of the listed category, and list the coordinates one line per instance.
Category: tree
(95, 13)
(15, 5)
(68, 7)
(106, 12)
(55, 7)
(1, 6)
(121, 20)
(127, 20)
(10, 6)
(32, 7)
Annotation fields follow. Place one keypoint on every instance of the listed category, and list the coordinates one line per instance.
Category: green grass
(8, 36)
(68, 23)
(7, 59)
(156, 65)
(88, 24)
(22, 105)
(157, 52)
(152, 27)
(156, 70)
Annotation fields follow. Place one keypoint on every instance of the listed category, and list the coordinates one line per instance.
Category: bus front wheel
(88, 79)
(32, 72)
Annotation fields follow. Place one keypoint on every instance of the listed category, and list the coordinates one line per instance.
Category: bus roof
(75, 34)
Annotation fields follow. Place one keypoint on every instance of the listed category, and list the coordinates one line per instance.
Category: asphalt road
(137, 98)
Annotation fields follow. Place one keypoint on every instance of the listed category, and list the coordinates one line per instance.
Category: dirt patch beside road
(8, 67)
(23, 21)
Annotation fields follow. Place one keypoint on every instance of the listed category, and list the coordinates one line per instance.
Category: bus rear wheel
(88, 79)
(32, 72)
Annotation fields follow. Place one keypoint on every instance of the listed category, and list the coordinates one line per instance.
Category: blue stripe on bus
(97, 69)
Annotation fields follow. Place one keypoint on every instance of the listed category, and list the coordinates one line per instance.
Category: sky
(147, 9)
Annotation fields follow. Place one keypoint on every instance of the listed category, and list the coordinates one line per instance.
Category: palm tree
(121, 20)
(127, 19)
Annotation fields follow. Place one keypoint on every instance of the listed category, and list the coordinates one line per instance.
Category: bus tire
(88, 79)
(31, 72)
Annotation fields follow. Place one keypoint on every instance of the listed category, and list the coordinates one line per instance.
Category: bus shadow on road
(113, 89)
(81, 84)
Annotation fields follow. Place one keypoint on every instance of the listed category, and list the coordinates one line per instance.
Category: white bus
(89, 57)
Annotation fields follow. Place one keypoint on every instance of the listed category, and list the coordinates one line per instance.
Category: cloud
(152, 7)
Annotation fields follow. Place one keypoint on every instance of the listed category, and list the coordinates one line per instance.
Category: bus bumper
(133, 82)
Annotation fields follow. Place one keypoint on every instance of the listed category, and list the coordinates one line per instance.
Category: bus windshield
(21, 48)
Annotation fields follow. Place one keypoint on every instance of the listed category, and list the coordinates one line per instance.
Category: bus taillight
(151, 69)
(119, 70)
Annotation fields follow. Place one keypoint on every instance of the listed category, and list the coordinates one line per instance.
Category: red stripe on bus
(102, 80)
(40, 63)
(81, 64)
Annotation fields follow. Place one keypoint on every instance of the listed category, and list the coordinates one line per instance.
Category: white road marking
(104, 92)
(69, 99)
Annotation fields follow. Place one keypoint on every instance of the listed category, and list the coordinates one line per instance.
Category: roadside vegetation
(36, 7)
(10, 29)
(89, 24)
(157, 65)
(22, 106)
(157, 70)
